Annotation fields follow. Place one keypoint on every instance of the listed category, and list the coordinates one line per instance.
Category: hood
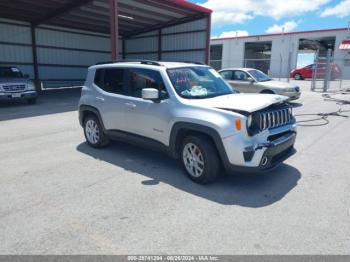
(14, 80)
(240, 102)
(277, 84)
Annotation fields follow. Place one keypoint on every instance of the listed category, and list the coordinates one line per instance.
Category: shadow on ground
(48, 102)
(249, 191)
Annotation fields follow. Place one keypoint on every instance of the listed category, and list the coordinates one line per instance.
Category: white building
(278, 54)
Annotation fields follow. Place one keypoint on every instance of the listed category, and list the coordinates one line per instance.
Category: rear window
(226, 75)
(110, 80)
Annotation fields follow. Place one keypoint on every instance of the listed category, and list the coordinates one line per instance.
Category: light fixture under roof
(126, 17)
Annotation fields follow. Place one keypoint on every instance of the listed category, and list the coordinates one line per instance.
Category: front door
(143, 117)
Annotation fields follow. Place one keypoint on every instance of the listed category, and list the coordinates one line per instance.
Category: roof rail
(193, 62)
(144, 62)
(149, 62)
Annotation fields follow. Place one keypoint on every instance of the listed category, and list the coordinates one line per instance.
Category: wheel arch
(85, 110)
(300, 75)
(182, 129)
(267, 91)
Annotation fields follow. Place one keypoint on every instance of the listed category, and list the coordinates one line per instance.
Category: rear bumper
(266, 156)
(18, 96)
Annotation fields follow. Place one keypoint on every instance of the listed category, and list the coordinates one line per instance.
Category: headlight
(290, 89)
(249, 121)
(30, 86)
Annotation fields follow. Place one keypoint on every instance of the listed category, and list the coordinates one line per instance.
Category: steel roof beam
(138, 14)
(166, 5)
(61, 11)
(167, 24)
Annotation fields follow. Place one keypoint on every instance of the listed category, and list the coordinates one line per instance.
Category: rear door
(231, 78)
(307, 72)
(111, 96)
(227, 76)
(242, 81)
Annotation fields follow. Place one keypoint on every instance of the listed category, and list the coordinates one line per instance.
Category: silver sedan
(249, 80)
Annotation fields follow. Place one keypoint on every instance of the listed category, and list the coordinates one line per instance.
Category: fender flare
(85, 108)
(209, 131)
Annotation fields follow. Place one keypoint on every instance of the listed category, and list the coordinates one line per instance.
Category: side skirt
(139, 141)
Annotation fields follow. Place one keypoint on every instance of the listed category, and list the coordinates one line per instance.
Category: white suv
(188, 111)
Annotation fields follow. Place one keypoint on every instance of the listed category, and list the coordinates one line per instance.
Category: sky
(252, 17)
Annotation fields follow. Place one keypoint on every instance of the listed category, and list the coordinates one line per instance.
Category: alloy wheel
(193, 160)
(92, 131)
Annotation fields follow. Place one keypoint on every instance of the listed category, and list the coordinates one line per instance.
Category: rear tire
(298, 77)
(94, 133)
(200, 159)
(31, 101)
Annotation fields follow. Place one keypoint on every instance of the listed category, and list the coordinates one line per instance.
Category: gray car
(14, 85)
(249, 80)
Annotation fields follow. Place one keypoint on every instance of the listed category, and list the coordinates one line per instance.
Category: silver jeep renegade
(188, 111)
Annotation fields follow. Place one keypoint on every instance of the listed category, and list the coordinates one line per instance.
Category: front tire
(93, 132)
(267, 92)
(200, 159)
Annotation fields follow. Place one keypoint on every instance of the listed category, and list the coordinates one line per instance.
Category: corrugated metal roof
(134, 16)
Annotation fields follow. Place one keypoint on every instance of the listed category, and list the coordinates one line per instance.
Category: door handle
(130, 104)
(99, 98)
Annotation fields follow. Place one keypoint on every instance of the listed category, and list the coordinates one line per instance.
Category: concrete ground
(59, 196)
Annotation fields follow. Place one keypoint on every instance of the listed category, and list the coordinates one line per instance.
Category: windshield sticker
(181, 77)
(14, 69)
(216, 74)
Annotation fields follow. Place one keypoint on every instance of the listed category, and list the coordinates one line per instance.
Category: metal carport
(56, 40)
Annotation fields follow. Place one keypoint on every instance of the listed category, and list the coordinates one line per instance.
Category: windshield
(10, 72)
(198, 82)
(259, 76)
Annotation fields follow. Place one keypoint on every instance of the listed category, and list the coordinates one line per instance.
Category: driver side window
(144, 78)
(240, 76)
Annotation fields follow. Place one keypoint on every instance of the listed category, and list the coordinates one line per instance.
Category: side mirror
(150, 94)
(251, 80)
(26, 76)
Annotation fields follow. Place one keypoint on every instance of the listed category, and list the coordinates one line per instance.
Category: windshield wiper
(194, 97)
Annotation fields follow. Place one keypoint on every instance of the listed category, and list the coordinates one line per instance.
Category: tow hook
(263, 145)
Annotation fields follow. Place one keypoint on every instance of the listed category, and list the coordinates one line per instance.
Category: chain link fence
(320, 74)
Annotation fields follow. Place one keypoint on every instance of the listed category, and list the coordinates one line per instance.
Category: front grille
(275, 118)
(13, 88)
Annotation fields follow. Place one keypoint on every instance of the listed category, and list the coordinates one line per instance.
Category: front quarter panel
(223, 122)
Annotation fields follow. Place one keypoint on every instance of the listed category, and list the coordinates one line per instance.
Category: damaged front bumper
(261, 156)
